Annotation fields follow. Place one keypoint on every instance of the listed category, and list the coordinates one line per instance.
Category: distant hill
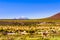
(23, 18)
(56, 16)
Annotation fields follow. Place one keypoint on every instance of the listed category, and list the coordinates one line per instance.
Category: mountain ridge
(55, 16)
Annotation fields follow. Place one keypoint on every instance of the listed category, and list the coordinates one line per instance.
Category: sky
(32, 9)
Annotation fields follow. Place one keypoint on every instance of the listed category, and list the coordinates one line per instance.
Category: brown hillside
(56, 16)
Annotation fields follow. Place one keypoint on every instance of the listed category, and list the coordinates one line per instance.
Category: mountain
(23, 18)
(56, 16)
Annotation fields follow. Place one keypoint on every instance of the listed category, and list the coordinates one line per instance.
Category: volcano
(23, 18)
(56, 16)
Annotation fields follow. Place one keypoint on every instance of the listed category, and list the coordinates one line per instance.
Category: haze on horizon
(28, 8)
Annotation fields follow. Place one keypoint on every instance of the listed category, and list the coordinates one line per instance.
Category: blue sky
(28, 8)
